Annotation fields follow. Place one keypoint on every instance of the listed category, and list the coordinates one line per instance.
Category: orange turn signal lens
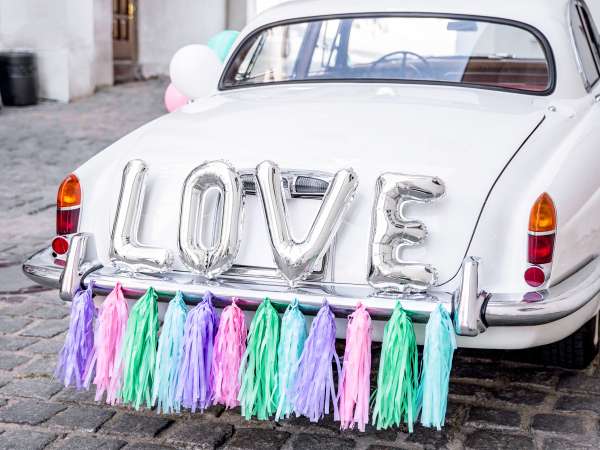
(543, 214)
(69, 193)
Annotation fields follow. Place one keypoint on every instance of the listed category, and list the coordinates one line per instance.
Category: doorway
(125, 41)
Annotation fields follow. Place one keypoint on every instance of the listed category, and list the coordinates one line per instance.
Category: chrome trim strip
(41, 269)
(541, 233)
(342, 298)
(574, 47)
(557, 302)
(511, 309)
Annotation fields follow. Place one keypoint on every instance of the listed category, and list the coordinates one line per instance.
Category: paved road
(498, 399)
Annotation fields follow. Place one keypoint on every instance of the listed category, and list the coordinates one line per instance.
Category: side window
(587, 42)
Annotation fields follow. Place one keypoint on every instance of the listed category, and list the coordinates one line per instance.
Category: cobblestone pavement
(497, 399)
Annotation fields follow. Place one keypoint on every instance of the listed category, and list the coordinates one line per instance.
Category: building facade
(85, 44)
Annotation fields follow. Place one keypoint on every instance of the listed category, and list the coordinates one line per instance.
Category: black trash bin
(18, 79)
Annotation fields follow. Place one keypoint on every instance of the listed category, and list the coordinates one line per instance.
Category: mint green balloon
(222, 42)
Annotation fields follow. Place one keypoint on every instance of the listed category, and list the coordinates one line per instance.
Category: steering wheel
(403, 67)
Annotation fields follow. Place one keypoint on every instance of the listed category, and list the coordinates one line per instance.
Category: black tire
(575, 351)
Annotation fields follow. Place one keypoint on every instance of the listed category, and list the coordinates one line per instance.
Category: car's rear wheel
(575, 351)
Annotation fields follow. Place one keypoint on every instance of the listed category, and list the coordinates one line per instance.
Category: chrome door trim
(574, 47)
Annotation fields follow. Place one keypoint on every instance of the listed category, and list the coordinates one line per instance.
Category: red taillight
(60, 245)
(541, 239)
(541, 249)
(67, 221)
(534, 276)
(68, 206)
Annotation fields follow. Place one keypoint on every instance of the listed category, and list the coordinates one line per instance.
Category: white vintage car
(415, 146)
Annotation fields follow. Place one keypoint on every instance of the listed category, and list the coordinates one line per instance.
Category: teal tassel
(291, 343)
(169, 347)
(440, 343)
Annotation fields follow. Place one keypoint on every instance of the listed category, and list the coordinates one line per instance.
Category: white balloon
(194, 70)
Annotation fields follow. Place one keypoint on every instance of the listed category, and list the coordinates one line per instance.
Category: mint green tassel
(259, 393)
(398, 372)
(138, 353)
(440, 343)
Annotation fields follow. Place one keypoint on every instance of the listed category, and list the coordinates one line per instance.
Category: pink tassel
(112, 322)
(356, 370)
(230, 346)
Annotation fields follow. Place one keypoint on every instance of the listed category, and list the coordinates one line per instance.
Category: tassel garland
(398, 372)
(138, 352)
(440, 343)
(230, 346)
(79, 342)
(110, 330)
(169, 346)
(291, 343)
(355, 381)
(272, 369)
(193, 371)
(314, 388)
(258, 372)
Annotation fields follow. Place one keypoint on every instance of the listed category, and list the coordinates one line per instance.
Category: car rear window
(404, 49)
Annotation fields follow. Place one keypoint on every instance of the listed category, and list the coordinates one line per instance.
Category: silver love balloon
(390, 230)
(125, 250)
(199, 258)
(296, 260)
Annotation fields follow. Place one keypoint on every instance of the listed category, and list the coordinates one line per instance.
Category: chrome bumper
(471, 307)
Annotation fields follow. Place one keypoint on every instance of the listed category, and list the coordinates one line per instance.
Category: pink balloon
(174, 99)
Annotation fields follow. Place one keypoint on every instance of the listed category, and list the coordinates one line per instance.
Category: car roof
(538, 13)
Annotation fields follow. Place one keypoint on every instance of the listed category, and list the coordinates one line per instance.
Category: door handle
(130, 10)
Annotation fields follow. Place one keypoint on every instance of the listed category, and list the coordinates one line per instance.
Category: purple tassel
(195, 360)
(73, 357)
(314, 388)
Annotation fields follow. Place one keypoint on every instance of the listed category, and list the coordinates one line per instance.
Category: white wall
(61, 33)
(103, 50)
(166, 26)
(236, 14)
(594, 6)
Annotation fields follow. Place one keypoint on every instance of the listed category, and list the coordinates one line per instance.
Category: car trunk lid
(464, 136)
